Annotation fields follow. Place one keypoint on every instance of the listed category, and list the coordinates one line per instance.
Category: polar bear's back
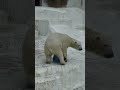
(57, 38)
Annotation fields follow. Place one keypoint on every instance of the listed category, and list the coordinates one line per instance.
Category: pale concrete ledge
(61, 77)
(69, 16)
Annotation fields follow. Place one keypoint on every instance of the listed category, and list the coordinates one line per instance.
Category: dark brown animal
(97, 43)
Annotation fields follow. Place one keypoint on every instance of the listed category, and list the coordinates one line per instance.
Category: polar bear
(57, 44)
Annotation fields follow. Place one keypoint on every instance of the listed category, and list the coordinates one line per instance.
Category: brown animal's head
(98, 43)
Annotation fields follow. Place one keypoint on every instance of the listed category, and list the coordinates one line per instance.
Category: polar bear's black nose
(80, 48)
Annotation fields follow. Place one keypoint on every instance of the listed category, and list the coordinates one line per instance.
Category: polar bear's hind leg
(60, 55)
(48, 55)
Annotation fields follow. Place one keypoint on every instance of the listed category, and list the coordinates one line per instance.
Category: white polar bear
(57, 44)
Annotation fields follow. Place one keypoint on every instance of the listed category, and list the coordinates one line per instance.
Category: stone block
(42, 27)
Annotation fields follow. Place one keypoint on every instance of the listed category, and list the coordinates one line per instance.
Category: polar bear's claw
(48, 62)
(65, 59)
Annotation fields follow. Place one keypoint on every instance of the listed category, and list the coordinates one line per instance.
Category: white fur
(57, 44)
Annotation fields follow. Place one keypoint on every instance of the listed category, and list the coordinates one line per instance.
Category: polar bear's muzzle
(80, 49)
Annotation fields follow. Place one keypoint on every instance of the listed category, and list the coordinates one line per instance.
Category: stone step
(48, 83)
(56, 69)
(54, 82)
(69, 74)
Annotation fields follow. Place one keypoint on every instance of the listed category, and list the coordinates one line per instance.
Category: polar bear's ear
(75, 42)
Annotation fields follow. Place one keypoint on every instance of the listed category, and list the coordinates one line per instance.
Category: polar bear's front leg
(65, 54)
(48, 55)
(60, 55)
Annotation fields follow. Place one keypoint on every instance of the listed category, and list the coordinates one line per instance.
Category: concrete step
(48, 83)
(59, 81)
(56, 69)
(56, 83)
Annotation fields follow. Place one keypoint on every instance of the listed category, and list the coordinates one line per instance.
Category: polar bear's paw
(65, 59)
(63, 63)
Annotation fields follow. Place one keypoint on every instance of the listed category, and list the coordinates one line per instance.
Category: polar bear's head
(76, 45)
